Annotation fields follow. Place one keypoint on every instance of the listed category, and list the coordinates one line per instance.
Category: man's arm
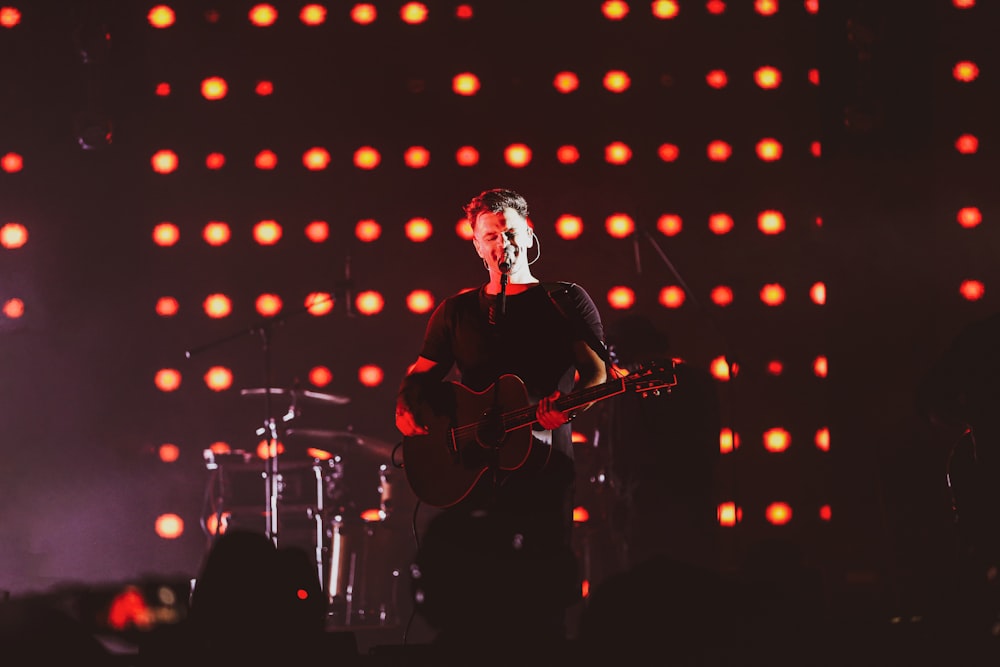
(592, 369)
(592, 372)
(410, 399)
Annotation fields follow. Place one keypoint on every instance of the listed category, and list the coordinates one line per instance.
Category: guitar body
(444, 465)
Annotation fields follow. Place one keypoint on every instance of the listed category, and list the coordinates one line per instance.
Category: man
(958, 397)
(664, 453)
(508, 517)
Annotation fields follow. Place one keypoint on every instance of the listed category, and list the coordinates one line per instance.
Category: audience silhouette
(252, 603)
(663, 452)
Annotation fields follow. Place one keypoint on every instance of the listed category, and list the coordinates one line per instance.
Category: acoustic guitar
(492, 429)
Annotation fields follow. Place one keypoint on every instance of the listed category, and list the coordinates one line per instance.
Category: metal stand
(493, 429)
(502, 297)
(272, 475)
(272, 480)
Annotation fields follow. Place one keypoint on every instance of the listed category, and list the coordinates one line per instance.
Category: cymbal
(297, 393)
(332, 439)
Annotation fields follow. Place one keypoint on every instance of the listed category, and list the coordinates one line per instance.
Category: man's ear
(475, 244)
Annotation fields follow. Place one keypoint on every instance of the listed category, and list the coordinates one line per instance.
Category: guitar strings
(470, 429)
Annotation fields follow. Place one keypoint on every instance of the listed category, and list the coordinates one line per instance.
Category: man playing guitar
(518, 352)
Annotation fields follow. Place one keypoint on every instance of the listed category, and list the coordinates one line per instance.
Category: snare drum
(238, 490)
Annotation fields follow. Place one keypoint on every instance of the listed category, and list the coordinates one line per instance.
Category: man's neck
(515, 284)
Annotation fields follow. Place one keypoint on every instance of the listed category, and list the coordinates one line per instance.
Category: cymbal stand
(270, 425)
(270, 429)
(272, 478)
(732, 363)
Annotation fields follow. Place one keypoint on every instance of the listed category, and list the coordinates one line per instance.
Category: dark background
(81, 481)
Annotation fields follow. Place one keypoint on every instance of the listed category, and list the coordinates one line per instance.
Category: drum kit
(337, 494)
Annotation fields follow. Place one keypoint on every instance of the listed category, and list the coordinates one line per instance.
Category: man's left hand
(549, 417)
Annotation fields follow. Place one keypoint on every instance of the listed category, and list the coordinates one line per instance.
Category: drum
(350, 511)
(349, 490)
(239, 491)
(367, 552)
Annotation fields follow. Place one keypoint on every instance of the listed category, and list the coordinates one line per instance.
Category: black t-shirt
(530, 339)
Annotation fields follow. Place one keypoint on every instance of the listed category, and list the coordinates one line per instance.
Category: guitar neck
(528, 415)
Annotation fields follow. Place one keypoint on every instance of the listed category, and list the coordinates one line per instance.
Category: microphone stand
(496, 428)
(502, 297)
(731, 362)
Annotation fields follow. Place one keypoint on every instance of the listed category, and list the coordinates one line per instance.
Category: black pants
(502, 560)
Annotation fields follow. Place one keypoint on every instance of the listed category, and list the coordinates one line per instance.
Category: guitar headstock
(652, 378)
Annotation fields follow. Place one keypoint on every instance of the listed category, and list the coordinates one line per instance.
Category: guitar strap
(559, 295)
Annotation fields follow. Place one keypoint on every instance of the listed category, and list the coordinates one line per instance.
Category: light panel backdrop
(865, 109)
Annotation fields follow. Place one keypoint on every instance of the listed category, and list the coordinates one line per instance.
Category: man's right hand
(407, 423)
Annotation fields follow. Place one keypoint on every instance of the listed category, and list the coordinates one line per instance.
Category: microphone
(509, 255)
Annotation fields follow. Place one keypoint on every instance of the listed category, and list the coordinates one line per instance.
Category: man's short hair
(495, 201)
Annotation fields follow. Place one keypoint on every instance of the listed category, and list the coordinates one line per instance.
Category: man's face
(492, 232)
